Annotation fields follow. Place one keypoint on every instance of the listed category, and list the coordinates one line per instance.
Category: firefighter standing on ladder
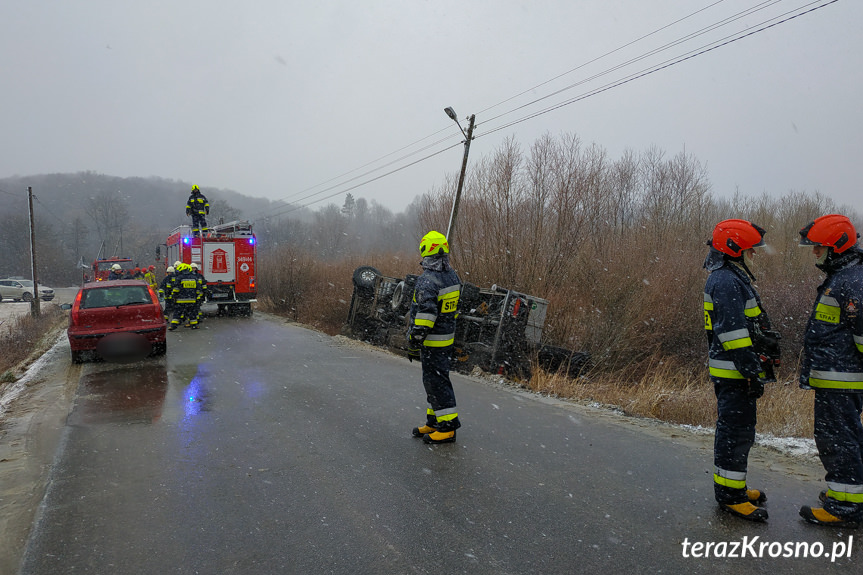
(432, 330)
(199, 208)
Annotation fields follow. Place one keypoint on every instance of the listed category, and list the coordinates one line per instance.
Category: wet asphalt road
(257, 446)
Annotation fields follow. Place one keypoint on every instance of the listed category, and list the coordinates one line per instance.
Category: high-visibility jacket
(197, 204)
(731, 307)
(435, 303)
(187, 287)
(833, 342)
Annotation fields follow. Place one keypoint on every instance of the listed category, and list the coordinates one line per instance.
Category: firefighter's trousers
(839, 438)
(439, 392)
(735, 434)
(184, 311)
(199, 224)
(169, 309)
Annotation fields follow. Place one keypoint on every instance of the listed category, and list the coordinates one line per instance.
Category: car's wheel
(159, 348)
(27, 296)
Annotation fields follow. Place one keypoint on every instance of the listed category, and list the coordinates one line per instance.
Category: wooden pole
(35, 311)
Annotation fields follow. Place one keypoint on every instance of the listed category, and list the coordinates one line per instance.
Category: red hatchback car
(117, 321)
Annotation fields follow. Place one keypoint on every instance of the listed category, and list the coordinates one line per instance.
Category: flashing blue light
(251, 241)
(186, 240)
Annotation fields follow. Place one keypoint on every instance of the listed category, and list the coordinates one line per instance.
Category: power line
(598, 58)
(289, 209)
(709, 47)
(666, 64)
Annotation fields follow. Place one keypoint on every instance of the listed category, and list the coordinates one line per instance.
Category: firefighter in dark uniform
(199, 208)
(116, 273)
(833, 366)
(736, 324)
(185, 293)
(166, 289)
(431, 335)
(202, 297)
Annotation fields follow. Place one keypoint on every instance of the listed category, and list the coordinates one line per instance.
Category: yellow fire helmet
(433, 243)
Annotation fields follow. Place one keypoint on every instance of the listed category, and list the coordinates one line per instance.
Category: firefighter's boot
(422, 430)
(745, 510)
(440, 437)
(756, 496)
(820, 516)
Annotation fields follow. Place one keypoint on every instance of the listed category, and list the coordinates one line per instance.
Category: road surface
(259, 446)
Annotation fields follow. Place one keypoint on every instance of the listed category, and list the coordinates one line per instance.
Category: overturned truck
(498, 330)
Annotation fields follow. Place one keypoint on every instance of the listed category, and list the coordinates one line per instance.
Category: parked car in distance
(117, 321)
(22, 290)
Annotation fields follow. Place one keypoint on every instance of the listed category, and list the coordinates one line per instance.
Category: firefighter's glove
(413, 354)
(756, 387)
(416, 336)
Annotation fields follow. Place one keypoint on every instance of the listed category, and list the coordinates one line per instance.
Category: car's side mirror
(65, 306)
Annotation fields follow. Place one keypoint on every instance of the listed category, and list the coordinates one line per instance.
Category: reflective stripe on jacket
(434, 306)
(186, 287)
(198, 204)
(731, 304)
(833, 342)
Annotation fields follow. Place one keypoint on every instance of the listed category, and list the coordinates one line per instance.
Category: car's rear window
(114, 296)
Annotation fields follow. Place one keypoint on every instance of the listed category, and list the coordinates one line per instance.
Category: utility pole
(34, 305)
(454, 212)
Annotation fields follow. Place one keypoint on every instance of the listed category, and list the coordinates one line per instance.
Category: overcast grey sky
(275, 98)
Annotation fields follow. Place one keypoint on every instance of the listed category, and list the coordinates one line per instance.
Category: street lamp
(467, 138)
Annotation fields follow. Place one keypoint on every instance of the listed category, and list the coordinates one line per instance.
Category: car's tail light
(76, 308)
(155, 299)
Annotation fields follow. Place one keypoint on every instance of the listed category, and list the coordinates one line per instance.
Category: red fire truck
(226, 255)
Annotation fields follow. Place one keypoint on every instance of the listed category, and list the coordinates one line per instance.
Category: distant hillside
(155, 202)
(81, 215)
(77, 215)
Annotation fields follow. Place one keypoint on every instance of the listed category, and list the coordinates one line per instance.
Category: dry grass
(25, 336)
(669, 392)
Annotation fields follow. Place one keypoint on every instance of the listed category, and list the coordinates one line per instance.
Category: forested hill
(149, 201)
(79, 214)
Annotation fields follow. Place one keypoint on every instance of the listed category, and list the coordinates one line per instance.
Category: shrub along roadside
(25, 337)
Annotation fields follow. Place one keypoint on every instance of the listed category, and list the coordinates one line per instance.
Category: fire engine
(226, 255)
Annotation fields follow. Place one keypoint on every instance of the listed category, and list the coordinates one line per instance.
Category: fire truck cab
(226, 256)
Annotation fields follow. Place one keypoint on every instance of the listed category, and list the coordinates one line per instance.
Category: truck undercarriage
(498, 330)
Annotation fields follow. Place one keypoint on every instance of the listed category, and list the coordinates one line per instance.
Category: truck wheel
(364, 278)
(398, 296)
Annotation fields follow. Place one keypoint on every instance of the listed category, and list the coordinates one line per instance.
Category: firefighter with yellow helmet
(431, 335)
(186, 291)
(738, 335)
(198, 208)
